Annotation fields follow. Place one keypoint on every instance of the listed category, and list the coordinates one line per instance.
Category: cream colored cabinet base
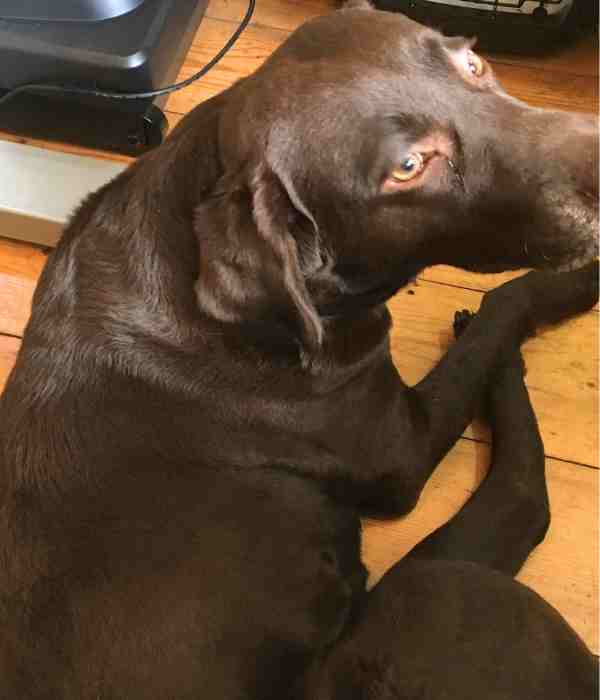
(39, 189)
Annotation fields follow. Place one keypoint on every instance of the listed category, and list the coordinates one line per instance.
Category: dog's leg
(439, 620)
(509, 514)
(413, 428)
(450, 393)
(447, 398)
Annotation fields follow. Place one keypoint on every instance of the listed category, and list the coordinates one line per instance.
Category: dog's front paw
(462, 319)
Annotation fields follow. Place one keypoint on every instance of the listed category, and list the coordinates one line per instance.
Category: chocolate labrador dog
(204, 403)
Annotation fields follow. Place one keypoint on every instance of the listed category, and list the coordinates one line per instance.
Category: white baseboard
(39, 189)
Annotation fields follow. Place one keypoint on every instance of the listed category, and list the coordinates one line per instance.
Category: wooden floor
(562, 363)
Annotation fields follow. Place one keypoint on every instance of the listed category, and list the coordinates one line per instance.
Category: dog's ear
(250, 266)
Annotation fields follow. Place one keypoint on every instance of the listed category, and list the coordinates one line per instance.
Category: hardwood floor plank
(562, 569)
(21, 259)
(20, 267)
(173, 119)
(444, 274)
(251, 50)
(15, 303)
(549, 88)
(561, 365)
(271, 13)
(8, 354)
(579, 58)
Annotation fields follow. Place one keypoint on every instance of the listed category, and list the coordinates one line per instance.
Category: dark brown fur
(205, 403)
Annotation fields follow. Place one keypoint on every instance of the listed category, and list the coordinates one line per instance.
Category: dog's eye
(475, 64)
(408, 168)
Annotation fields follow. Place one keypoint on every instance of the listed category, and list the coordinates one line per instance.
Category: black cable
(138, 95)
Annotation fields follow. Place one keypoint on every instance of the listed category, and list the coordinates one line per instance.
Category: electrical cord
(48, 88)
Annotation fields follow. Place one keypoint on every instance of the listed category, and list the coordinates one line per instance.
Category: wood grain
(562, 569)
(572, 59)
(20, 267)
(561, 365)
(453, 276)
(549, 89)
(444, 274)
(173, 118)
(8, 354)
(250, 51)
(274, 14)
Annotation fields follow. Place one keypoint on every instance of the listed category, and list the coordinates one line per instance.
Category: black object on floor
(120, 45)
(524, 26)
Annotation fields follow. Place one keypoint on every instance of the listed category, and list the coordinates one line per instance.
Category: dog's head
(369, 147)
